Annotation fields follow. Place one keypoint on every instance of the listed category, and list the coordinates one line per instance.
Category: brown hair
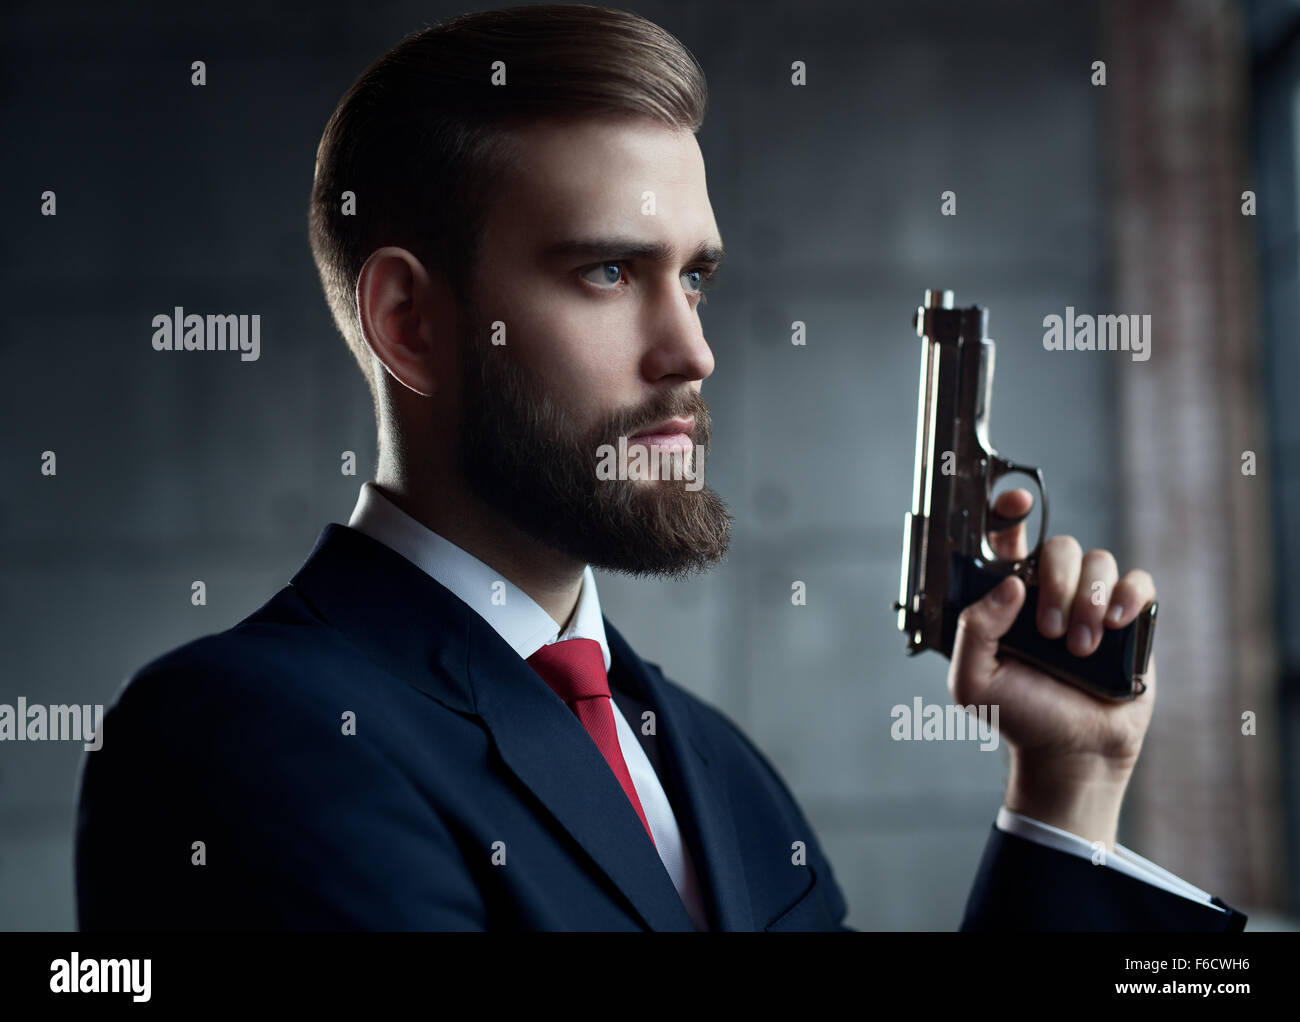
(422, 137)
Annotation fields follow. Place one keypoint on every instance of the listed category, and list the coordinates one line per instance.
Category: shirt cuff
(1121, 859)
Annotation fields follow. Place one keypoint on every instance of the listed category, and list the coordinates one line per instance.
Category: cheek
(585, 352)
(588, 386)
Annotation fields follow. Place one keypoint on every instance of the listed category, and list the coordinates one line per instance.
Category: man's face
(593, 258)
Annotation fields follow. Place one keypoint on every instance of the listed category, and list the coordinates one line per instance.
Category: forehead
(590, 177)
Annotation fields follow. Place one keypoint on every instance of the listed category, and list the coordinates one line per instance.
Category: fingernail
(1115, 613)
(1081, 637)
(1054, 621)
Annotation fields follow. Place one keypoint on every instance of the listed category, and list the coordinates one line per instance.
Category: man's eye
(604, 274)
(697, 282)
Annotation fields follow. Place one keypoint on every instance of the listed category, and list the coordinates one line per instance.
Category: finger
(1130, 595)
(1097, 574)
(1009, 544)
(1058, 578)
(979, 627)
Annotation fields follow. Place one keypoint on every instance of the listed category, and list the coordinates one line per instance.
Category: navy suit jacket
(469, 796)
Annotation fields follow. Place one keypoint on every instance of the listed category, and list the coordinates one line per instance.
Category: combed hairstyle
(422, 138)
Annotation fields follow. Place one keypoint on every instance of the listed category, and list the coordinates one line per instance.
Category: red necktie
(575, 670)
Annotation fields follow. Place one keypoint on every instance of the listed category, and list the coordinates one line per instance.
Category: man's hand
(1071, 754)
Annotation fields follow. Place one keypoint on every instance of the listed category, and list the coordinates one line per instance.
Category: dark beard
(521, 454)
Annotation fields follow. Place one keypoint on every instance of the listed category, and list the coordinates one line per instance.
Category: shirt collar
(515, 616)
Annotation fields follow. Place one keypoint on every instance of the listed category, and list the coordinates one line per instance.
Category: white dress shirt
(526, 627)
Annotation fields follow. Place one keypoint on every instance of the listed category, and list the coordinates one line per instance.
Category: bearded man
(432, 726)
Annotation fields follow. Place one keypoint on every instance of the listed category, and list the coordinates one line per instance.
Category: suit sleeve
(1023, 885)
(270, 787)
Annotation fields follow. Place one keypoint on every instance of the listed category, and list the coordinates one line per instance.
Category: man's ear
(406, 315)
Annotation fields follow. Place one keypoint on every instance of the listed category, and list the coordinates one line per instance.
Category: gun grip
(1113, 672)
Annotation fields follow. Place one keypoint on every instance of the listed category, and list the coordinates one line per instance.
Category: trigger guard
(1027, 566)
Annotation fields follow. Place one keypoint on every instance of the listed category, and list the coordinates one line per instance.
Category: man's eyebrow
(627, 248)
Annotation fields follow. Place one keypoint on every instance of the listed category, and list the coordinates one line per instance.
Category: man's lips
(669, 427)
(671, 433)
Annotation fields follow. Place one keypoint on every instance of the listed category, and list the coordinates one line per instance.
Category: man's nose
(676, 344)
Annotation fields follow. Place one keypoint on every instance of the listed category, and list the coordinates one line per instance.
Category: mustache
(629, 422)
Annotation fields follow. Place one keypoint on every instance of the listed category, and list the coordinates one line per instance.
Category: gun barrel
(924, 565)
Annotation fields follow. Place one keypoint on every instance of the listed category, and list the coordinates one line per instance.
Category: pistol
(947, 561)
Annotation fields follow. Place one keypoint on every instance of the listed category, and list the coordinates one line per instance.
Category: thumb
(979, 627)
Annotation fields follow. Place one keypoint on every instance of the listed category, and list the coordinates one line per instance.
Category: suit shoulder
(272, 653)
(266, 705)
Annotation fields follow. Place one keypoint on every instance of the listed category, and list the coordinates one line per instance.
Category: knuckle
(1053, 591)
(1102, 560)
(1124, 592)
(1056, 576)
(1064, 546)
(1140, 581)
(1092, 599)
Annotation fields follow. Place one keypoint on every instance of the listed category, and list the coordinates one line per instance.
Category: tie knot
(574, 668)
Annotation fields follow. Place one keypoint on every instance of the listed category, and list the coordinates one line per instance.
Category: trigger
(997, 522)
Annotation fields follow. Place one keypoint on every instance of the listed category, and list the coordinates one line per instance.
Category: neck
(552, 580)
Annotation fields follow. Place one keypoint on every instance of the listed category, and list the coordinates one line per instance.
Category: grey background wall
(173, 468)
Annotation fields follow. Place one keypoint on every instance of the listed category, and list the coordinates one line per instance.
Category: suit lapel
(420, 631)
(696, 787)
(542, 741)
